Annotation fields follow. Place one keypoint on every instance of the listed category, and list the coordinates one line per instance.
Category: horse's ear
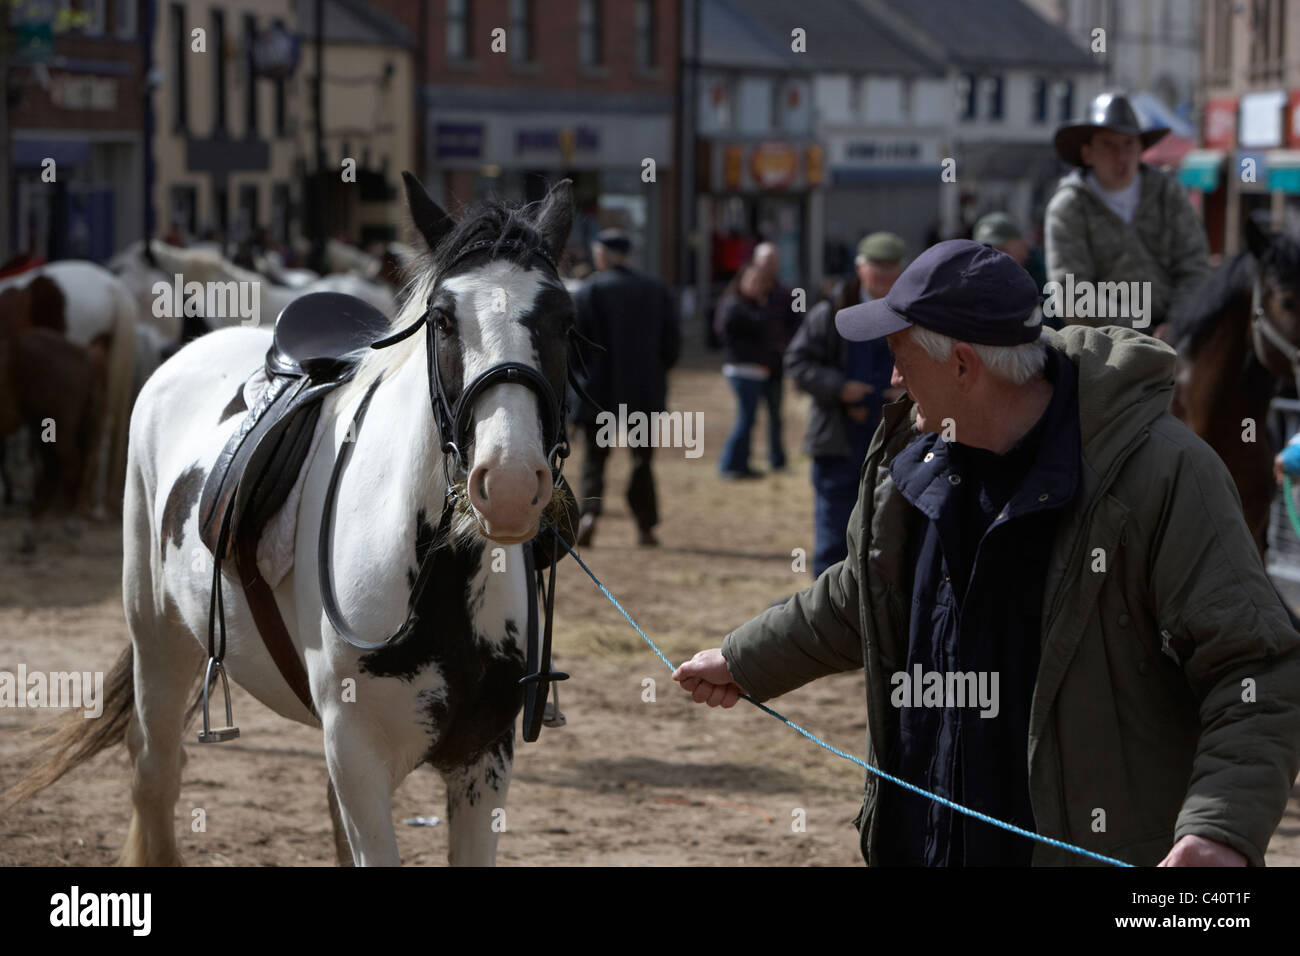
(556, 218)
(1258, 237)
(428, 216)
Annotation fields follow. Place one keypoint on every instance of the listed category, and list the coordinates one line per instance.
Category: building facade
(234, 117)
(75, 173)
(1250, 125)
(1151, 46)
(1012, 78)
(518, 94)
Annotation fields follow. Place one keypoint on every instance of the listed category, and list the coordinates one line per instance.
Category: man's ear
(967, 361)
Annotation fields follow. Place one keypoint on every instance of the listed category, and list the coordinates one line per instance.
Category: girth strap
(266, 614)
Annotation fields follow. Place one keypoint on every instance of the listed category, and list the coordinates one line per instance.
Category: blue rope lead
(840, 753)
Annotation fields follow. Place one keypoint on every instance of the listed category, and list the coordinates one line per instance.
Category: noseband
(453, 421)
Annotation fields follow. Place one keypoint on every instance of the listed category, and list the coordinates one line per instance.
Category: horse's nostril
(482, 485)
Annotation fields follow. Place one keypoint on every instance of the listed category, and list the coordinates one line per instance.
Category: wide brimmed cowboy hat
(1110, 111)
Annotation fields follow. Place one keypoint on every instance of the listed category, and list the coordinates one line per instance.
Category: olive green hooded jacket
(1167, 700)
(1164, 245)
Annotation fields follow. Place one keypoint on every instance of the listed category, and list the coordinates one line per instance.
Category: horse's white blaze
(509, 475)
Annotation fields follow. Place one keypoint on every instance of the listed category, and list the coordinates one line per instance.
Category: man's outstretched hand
(708, 680)
(1194, 850)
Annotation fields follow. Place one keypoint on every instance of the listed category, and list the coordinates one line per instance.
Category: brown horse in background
(1232, 333)
(54, 387)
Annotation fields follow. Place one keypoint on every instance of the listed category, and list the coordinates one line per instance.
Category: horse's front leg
(476, 804)
(363, 784)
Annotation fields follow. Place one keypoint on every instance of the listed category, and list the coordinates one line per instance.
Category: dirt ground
(627, 782)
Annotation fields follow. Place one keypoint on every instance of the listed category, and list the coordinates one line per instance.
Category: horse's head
(501, 318)
(1276, 320)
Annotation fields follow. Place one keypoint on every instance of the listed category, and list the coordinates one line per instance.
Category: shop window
(590, 23)
(521, 36)
(647, 53)
(460, 30)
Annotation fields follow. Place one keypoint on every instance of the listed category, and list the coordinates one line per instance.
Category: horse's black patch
(235, 406)
(181, 500)
(482, 694)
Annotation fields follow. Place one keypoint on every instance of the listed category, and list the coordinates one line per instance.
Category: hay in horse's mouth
(558, 512)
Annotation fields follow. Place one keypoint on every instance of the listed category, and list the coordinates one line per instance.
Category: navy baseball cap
(966, 290)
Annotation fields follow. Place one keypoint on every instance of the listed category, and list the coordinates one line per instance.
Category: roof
(353, 22)
(1003, 33)
(841, 36)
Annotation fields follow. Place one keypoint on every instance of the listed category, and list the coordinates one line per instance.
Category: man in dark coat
(849, 385)
(631, 316)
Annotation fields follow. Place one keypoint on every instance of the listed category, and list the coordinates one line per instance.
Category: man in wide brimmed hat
(1115, 219)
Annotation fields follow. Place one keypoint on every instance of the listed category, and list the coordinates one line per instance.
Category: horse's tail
(79, 739)
(119, 387)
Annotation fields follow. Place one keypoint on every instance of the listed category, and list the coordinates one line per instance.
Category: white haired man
(1052, 592)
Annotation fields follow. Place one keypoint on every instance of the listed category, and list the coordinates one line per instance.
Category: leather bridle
(1263, 330)
(453, 420)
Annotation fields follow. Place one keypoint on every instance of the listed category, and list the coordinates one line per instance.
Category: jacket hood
(1126, 381)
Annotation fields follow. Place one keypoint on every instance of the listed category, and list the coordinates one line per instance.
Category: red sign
(1221, 123)
(774, 165)
(1293, 119)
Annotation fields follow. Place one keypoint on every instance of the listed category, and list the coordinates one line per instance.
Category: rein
(452, 420)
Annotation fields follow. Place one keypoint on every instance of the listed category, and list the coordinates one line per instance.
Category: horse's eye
(443, 320)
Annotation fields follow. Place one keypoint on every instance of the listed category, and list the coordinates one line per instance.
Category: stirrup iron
(551, 714)
(228, 732)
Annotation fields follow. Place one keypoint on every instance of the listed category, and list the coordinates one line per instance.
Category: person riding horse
(1116, 219)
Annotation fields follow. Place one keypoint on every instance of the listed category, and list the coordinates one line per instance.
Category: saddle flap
(324, 335)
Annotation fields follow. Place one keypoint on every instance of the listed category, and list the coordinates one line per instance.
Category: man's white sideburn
(1016, 364)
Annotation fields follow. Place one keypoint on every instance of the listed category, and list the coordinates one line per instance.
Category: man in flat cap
(849, 385)
(1061, 615)
(1115, 219)
(632, 317)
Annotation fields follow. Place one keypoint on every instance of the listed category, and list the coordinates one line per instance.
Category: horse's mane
(510, 224)
(1196, 316)
(1201, 309)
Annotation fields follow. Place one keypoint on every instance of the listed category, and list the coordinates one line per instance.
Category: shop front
(758, 191)
(880, 181)
(518, 156)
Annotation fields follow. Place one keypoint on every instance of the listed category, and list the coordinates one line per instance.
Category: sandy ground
(628, 781)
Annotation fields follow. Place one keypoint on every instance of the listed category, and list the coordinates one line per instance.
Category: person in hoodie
(1039, 538)
(1116, 219)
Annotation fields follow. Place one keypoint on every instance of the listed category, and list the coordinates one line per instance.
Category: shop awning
(1201, 169)
(1284, 170)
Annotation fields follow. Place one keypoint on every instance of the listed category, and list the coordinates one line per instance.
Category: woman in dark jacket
(743, 319)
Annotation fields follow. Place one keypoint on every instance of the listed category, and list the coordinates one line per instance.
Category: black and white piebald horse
(447, 692)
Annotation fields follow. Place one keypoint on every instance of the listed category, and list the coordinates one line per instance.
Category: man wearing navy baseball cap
(1053, 595)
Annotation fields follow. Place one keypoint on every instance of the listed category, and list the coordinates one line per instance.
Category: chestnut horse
(54, 387)
(1239, 335)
